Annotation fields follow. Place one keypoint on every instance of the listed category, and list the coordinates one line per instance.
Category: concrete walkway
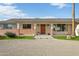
(43, 37)
(44, 47)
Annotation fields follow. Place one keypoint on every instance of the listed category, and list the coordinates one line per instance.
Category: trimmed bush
(10, 34)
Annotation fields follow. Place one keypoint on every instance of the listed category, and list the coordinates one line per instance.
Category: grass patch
(75, 38)
(24, 37)
(17, 37)
(64, 37)
(60, 37)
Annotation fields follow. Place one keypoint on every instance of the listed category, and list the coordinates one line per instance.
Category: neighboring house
(53, 26)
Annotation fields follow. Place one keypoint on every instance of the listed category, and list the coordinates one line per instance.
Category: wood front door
(42, 28)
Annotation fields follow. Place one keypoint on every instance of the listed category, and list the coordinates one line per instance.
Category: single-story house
(35, 26)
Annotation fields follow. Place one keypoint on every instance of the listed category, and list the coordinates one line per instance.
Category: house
(35, 26)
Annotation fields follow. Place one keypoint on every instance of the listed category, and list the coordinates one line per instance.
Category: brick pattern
(18, 31)
(3, 31)
(31, 31)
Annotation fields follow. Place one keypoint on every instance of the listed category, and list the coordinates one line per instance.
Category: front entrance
(42, 29)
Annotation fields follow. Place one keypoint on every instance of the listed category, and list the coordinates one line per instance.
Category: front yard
(64, 37)
(17, 37)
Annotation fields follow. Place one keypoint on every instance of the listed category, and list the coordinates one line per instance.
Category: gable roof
(37, 20)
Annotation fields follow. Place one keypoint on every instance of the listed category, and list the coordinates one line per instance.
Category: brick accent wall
(17, 31)
(3, 31)
(30, 32)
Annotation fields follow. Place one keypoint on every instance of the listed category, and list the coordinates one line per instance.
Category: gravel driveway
(42, 47)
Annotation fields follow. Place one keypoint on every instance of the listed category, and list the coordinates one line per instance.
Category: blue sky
(37, 10)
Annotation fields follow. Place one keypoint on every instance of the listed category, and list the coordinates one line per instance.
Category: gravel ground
(42, 47)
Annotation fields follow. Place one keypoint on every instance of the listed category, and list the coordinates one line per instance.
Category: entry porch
(52, 29)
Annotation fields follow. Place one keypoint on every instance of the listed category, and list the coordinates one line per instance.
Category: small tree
(10, 34)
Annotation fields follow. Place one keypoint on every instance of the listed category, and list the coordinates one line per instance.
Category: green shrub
(2, 37)
(10, 34)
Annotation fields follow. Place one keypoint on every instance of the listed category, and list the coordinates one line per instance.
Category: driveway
(42, 47)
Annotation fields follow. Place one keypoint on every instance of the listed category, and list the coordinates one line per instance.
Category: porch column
(51, 29)
(34, 29)
(18, 28)
(18, 25)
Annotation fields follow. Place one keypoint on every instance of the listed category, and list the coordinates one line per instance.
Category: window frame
(26, 26)
(61, 26)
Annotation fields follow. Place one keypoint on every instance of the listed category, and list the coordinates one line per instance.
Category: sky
(37, 10)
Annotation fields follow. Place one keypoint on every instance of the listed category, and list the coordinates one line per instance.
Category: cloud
(7, 4)
(9, 11)
(59, 5)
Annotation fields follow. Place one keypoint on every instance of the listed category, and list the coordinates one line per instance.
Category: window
(26, 26)
(9, 26)
(59, 27)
